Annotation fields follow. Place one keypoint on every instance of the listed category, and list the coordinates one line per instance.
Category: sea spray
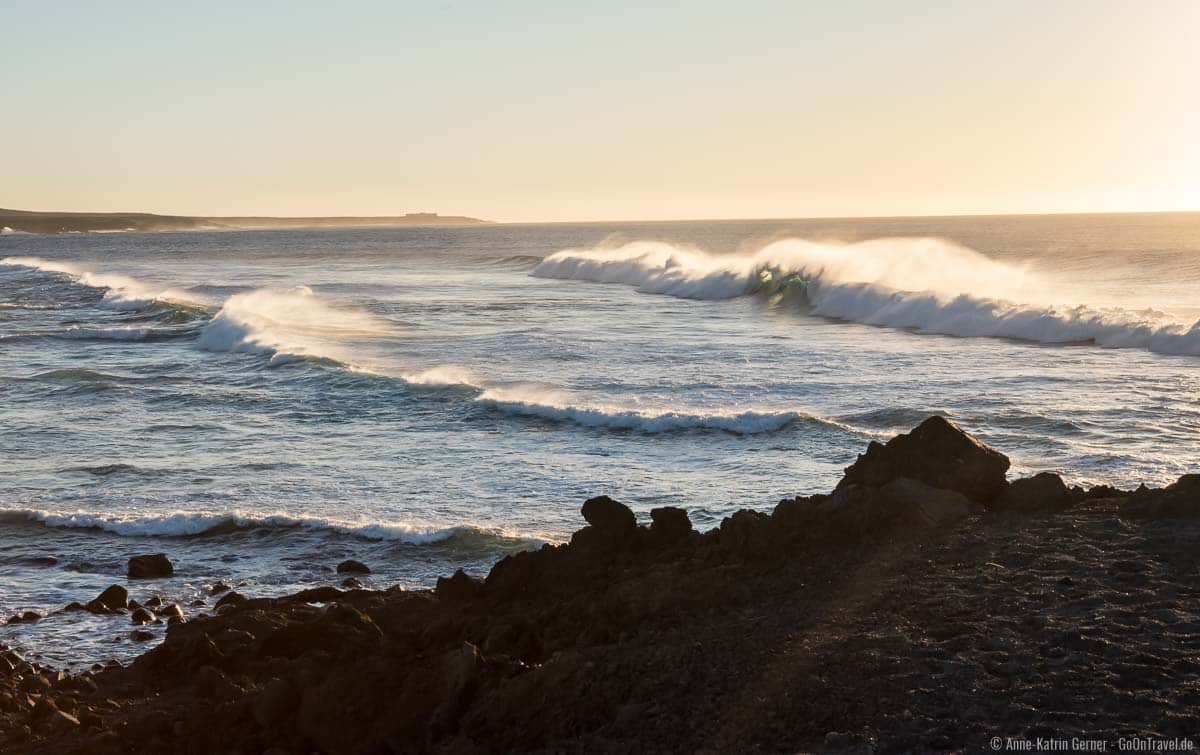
(927, 285)
(291, 323)
(121, 292)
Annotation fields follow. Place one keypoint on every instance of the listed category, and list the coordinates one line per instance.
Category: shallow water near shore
(262, 405)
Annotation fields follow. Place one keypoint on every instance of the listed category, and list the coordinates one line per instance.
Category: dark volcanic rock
(609, 516)
(150, 567)
(670, 525)
(114, 597)
(1178, 500)
(855, 512)
(232, 598)
(938, 453)
(350, 566)
(1042, 492)
(459, 586)
(142, 616)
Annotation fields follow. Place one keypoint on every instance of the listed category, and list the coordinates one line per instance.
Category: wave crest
(121, 292)
(928, 285)
(211, 524)
(287, 325)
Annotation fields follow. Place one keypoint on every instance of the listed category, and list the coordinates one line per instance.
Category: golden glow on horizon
(856, 110)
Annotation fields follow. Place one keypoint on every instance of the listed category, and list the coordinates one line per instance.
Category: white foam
(184, 524)
(557, 404)
(288, 325)
(924, 284)
(121, 291)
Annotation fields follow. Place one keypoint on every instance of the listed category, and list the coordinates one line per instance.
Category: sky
(552, 111)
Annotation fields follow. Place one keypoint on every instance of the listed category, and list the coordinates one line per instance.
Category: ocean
(260, 405)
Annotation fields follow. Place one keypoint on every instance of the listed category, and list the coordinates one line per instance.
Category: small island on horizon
(26, 221)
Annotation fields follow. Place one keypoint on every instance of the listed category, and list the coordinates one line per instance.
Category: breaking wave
(288, 325)
(926, 285)
(557, 405)
(121, 292)
(189, 524)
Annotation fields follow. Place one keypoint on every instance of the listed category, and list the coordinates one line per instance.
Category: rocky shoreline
(926, 604)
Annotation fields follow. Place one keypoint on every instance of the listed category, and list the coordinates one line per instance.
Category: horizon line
(484, 221)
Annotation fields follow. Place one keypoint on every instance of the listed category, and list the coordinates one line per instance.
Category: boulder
(669, 525)
(1180, 499)
(219, 588)
(920, 505)
(141, 635)
(142, 616)
(609, 516)
(1041, 493)
(113, 597)
(233, 598)
(938, 453)
(459, 586)
(350, 566)
(150, 567)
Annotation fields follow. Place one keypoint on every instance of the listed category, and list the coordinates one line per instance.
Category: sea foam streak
(558, 405)
(121, 291)
(924, 284)
(194, 524)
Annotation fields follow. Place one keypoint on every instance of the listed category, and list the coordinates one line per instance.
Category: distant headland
(66, 222)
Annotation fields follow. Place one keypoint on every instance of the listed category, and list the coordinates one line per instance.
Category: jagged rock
(609, 516)
(231, 641)
(1178, 500)
(1042, 492)
(231, 599)
(670, 524)
(150, 566)
(857, 511)
(350, 566)
(938, 453)
(459, 586)
(323, 594)
(113, 597)
(750, 534)
(921, 505)
(274, 702)
(213, 684)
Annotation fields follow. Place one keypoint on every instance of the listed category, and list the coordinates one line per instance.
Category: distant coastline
(24, 221)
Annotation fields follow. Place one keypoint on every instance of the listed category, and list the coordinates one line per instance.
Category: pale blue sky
(562, 111)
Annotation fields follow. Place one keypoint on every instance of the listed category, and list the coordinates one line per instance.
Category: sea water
(261, 405)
